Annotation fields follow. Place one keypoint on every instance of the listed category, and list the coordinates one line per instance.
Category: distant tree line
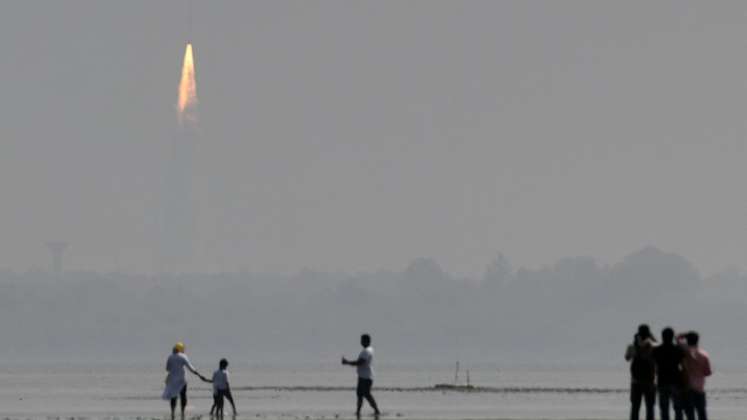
(573, 311)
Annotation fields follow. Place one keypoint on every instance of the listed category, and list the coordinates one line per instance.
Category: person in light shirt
(364, 368)
(697, 366)
(221, 389)
(176, 382)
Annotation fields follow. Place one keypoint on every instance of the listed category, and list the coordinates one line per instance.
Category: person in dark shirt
(669, 374)
(642, 372)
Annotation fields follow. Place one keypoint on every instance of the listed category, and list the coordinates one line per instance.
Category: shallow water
(326, 392)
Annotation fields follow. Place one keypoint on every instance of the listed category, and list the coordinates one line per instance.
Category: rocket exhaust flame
(178, 221)
(187, 89)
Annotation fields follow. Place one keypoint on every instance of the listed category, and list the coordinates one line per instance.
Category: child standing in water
(221, 389)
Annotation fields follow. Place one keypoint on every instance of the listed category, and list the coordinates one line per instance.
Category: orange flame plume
(187, 88)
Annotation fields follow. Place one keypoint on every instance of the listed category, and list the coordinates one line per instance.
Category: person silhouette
(364, 368)
(176, 383)
(697, 365)
(669, 374)
(642, 372)
(221, 390)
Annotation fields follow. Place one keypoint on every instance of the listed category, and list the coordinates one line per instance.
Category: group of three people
(676, 368)
(176, 382)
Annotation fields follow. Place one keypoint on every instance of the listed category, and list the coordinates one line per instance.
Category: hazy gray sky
(347, 135)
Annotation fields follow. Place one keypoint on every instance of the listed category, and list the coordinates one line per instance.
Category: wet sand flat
(112, 393)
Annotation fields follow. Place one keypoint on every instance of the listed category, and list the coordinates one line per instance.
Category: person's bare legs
(372, 402)
(183, 399)
(229, 397)
(173, 408)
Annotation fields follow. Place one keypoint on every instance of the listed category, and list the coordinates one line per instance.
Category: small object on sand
(456, 386)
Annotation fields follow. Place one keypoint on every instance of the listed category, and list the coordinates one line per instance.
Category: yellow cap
(179, 347)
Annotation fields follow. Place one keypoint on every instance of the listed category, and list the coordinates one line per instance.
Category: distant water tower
(57, 249)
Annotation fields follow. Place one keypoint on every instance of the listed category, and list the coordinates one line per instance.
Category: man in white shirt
(364, 368)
